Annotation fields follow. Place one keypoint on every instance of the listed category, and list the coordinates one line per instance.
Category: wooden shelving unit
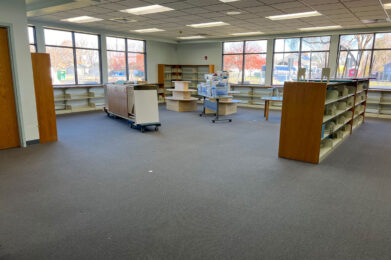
(250, 95)
(78, 98)
(379, 103)
(317, 117)
(167, 74)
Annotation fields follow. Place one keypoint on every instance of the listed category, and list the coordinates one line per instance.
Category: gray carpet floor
(194, 190)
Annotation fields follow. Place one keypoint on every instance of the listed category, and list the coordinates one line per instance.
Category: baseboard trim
(32, 142)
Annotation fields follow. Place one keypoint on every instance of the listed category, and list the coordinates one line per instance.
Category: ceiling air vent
(371, 21)
(123, 20)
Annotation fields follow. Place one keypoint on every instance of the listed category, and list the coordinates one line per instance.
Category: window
(381, 61)
(245, 61)
(366, 55)
(74, 57)
(32, 39)
(355, 53)
(126, 59)
(311, 53)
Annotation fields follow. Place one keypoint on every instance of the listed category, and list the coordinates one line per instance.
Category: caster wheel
(156, 128)
(230, 120)
(142, 129)
(213, 121)
(200, 114)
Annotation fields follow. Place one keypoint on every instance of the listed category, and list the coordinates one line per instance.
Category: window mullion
(74, 58)
(126, 59)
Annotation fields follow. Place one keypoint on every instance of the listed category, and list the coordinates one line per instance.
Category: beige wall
(195, 54)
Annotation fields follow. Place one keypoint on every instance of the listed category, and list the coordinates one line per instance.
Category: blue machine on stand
(216, 87)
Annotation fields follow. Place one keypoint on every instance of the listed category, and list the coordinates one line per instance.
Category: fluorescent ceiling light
(191, 37)
(149, 30)
(321, 28)
(203, 25)
(246, 33)
(234, 13)
(387, 6)
(82, 19)
(150, 9)
(294, 16)
(228, 1)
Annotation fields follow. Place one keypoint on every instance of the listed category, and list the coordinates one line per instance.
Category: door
(9, 131)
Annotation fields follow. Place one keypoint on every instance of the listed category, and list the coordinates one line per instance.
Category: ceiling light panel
(205, 25)
(229, 1)
(319, 28)
(150, 9)
(148, 30)
(82, 19)
(246, 33)
(387, 6)
(294, 15)
(233, 12)
(191, 37)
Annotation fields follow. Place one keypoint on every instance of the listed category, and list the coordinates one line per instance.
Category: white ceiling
(347, 13)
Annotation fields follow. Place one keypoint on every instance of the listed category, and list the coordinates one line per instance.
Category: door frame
(16, 87)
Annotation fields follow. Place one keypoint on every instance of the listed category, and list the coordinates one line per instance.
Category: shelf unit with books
(317, 117)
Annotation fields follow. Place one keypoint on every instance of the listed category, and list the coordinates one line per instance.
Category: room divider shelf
(379, 103)
(317, 117)
(78, 98)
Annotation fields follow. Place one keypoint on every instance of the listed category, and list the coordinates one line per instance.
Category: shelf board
(362, 101)
(327, 118)
(338, 99)
(336, 129)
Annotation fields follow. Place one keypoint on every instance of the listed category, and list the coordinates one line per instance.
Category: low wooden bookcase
(317, 117)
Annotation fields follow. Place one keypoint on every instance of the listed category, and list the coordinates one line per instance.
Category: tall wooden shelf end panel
(44, 97)
(317, 117)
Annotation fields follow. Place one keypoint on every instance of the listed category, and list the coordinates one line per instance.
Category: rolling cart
(137, 104)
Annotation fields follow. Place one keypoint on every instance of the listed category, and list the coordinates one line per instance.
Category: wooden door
(9, 131)
(44, 97)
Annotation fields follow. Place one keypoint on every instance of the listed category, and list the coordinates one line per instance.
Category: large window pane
(116, 65)
(316, 44)
(356, 42)
(136, 66)
(256, 46)
(255, 68)
(61, 59)
(83, 40)
(353, 64)
(285, 67)
(31, 35)
(233, 47)
(234, 65)
(314, 62)
(135, 46)
(381, 69)
(58, 38)
(383, 41)
(287, 45)
(88, 67)
(115, 44)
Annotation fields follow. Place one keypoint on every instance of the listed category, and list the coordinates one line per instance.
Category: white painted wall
(13, 15)
(195, 54)
(159, 53)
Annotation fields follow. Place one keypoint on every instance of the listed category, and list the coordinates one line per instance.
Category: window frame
(34, 37)
(74, 50)
(126, 51)
(299, 52)
(243, 54)
(372, 51)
